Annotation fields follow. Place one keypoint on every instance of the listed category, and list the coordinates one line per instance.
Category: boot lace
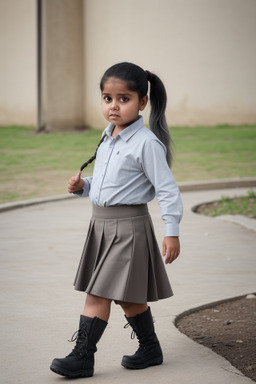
(133, 334)
(142, 343)
(81, 339)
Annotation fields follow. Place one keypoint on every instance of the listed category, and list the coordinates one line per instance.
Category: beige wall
(18, 101)
(62, 64)
(204, 51)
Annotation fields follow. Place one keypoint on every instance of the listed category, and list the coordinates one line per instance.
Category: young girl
(121, 260)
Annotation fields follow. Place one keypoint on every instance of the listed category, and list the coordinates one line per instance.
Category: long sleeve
(167, 192)
(87, 186)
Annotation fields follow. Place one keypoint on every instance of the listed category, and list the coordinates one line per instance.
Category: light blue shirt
(132, 169)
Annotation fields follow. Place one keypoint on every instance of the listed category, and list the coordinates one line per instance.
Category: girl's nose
(114, 105)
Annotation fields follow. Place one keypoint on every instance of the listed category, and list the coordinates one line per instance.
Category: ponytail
(94, 156)
(157, 119)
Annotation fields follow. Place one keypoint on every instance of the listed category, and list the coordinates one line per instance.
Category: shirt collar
(129, 131)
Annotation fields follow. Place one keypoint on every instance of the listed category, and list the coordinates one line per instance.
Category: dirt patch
(229, 329)
(242, 205)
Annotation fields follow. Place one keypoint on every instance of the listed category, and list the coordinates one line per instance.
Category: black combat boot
(149, 352)
(80, 362)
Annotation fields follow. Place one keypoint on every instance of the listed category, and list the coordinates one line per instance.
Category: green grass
(242, 205)
(34, 165)
(214, 152)
(22, 150)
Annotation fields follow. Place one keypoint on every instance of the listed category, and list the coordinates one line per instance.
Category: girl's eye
(107, 99)
(124, 99)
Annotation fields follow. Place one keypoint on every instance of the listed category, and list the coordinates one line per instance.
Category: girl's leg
(133, 309)
(149, 353)
(80, 362)
(96, 306)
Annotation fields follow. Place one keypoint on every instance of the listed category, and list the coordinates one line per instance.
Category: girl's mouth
(113, 115)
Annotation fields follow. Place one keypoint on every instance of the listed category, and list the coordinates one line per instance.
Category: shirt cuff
(85, 191)
(172, 230)
(78, 193)
(86, 188)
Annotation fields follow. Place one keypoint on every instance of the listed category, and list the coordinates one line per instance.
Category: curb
(241, 220)
(39, 200)
(218, 184)
(246, 182)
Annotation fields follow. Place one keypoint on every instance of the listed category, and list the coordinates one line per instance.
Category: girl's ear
(143, 102)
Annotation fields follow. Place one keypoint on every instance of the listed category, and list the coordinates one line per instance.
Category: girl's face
(121, 106)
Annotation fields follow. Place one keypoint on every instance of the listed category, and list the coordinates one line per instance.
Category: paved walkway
(40, 249)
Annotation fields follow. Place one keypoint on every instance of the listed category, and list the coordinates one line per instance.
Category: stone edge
(184, 187)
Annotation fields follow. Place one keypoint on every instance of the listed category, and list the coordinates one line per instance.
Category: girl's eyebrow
(119, 94)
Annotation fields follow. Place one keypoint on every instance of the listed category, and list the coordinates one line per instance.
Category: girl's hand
(171, 249)
(75, 183)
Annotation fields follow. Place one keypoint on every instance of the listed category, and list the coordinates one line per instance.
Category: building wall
(203, 50)
(18, 100)
(62, 106)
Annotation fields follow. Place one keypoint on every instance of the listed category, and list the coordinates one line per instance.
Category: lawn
(35, 165)
(242, 205)
(204, 153)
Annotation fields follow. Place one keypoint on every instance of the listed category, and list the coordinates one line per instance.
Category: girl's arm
(80, 186)
(168, 195)
(171, 248)
(167, 192)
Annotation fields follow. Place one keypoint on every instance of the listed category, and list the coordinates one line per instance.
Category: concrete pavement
(40, 250)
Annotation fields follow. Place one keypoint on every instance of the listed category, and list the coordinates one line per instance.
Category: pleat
(102, 271)
(137, 278)
(158, 283)
(90, 255)
(121, 261)
(81, 266)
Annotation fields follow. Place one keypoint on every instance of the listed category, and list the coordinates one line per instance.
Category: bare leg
(96, 306)
(133, 309)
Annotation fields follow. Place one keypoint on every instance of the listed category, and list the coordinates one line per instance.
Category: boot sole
(71, 375)
(156, 361)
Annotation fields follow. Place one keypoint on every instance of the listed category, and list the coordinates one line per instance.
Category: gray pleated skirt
(121, 258)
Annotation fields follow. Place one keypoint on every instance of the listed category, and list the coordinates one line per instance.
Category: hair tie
(150, 75)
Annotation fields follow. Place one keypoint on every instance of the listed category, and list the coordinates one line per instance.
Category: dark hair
(94, 156)
(137, 80)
